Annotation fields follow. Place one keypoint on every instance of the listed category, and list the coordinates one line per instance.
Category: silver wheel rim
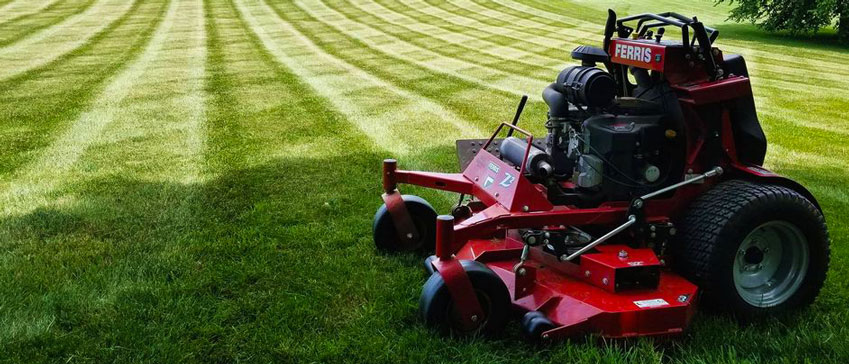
(771, 263)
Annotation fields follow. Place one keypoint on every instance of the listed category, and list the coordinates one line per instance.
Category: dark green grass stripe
(469, 100)
(439, 46)
(37, 103)
(24, 25)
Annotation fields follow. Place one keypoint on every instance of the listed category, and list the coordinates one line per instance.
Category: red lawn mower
(646, 196)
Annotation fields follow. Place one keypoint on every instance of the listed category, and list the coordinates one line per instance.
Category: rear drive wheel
(754, 249)
(437, 306)
(424, 218)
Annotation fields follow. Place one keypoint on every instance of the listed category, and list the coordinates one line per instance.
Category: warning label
(657, 302)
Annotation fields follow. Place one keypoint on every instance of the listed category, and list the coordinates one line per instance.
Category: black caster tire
(424, 218)
(437, 307)
(755, 250)
(534, 324)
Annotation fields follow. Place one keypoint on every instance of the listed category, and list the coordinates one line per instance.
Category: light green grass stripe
(21, 27)
(53, 42)
(16, 10)
(469, 100)
(54, 95)
(539, 44)
(476, 45)
(155, 132)
(394, 46)
(393, 117)
(30, 189)
(441, 43)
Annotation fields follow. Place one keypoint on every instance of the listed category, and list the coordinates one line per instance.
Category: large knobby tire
(754, 249)
(437, 307)
(424, 218)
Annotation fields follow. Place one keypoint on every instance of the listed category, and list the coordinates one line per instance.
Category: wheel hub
(771, 263)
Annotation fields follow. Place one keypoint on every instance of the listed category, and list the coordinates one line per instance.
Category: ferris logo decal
(633, 53)
(493, 167)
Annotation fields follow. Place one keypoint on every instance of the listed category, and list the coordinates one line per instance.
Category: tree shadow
(274, 262)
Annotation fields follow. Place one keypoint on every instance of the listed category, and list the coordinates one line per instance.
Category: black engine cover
(627, 144)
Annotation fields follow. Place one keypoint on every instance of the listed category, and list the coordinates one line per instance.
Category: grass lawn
(190, 180)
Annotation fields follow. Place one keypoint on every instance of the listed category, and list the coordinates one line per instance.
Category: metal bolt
(587, 273)
(547, 234)
(476, 179)
(623, 254)
(409, 235)
(545, 336)
(525, 208)
(605, 281)
(545, 241)
(563, 257)
(653, 235)
(522, 271)
(474, 318)
(653, 228)
(532, 240)
(496, 194)
(672, 231)
(638, 203)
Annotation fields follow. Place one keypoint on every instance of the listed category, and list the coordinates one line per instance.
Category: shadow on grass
(275, 263)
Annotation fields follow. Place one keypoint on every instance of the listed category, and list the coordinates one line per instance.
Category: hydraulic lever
(638, 204)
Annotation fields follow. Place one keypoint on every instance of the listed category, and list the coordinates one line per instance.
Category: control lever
(638, 205)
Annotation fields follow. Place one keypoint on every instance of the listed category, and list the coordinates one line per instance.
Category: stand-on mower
(646, 195)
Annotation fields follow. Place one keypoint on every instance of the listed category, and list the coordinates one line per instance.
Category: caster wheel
(437, 306)
(423, 216)
(534, 324)
(755, 250)
(428, 264)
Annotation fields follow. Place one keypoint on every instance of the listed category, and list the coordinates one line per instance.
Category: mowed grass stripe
(32, 187)
(51, 43)
(467, 99)
(424, 12)
(477, 50)
(390, 115)
(157, 127)
(25, 25)
(37, 105)
(18, 10)
(394, 46)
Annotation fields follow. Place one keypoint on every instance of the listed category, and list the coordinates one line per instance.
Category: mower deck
(582, 305)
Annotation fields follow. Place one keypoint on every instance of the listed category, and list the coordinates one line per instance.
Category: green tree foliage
(795, 16)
